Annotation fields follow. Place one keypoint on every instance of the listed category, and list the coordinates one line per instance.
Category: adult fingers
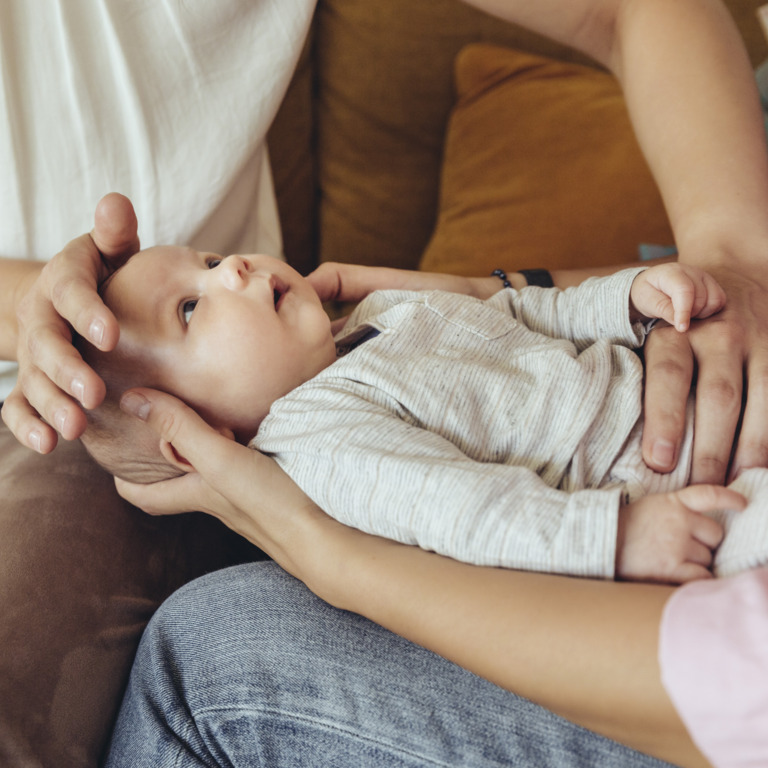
(72, 277)
(52, 380)
(668, 374)
(185, 493)
(752, 445)
(204, 449)
(718, 407)
(31, 421)
(70, 282)
(230, 470)
(26, 425)
(51, 360)
(243, 488)
(189, 436)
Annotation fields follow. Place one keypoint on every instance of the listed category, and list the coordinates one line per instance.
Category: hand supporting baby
(54, 384)
(667, 537)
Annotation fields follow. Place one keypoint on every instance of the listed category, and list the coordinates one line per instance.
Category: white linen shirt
(166, 101)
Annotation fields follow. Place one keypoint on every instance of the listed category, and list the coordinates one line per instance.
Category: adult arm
(44, 305)
(693, 102)
(586, 650)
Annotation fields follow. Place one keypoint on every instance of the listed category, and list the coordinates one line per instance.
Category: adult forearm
(694, 105)
(16, 277)
(584, 649)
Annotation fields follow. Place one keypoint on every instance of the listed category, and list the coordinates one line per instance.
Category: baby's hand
(676, 292)
(665, 537)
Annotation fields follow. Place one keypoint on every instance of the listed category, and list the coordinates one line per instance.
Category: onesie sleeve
(713, 653)
(416, 487)
(596, 309)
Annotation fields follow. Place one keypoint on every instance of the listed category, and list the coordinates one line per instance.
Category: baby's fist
(676, 292)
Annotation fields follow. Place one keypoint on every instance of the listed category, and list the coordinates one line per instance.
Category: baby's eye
(213, 262)
(187, 308)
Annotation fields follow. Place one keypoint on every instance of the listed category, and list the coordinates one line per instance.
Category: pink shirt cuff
(713, 652)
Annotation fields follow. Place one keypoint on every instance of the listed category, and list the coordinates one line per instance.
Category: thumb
(115, 230)
(205, 450)
(225, 478)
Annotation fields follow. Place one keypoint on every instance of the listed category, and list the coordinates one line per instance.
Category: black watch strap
(540, 277)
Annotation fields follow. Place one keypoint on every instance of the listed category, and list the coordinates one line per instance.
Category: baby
(501, 432)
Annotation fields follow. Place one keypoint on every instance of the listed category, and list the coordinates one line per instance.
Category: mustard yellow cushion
(541, 168)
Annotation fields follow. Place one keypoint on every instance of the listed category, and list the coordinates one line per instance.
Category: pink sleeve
(713, 652)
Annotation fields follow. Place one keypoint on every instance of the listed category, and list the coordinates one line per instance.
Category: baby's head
(226, 335)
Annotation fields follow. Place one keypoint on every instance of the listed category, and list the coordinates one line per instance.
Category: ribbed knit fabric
(472, 428)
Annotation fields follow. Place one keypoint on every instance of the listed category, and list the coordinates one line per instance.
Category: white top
(165, 101)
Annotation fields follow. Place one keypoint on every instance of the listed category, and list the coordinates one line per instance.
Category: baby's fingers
(705, 500)
(682, 295)
(687, 571)
(666, 292)
(710, 297)
(711, 498)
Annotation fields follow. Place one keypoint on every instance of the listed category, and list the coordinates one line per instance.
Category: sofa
(418, 135)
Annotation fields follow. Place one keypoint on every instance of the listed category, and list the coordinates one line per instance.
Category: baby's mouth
(279, 289)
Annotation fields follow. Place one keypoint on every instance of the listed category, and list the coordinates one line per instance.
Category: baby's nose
(234, 272)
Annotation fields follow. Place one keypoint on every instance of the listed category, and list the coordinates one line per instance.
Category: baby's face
(228, 336)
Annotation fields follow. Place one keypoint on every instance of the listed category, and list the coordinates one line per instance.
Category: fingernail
(60, 420)
(35, 440)
(135, 404)
(663, 453)
(78, 390)
(96, 332)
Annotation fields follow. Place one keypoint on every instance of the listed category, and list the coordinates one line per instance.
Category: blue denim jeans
(246, 667)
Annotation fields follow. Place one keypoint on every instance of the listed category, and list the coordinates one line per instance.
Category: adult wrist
(540, 277)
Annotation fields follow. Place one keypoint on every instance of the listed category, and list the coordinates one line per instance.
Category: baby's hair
(119, 443)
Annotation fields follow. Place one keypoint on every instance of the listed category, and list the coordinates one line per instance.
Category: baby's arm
(334, 281)
(675, 292)
(667, 537)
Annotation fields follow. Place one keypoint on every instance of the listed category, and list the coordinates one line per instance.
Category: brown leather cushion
(81, 572)
(541, 169)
